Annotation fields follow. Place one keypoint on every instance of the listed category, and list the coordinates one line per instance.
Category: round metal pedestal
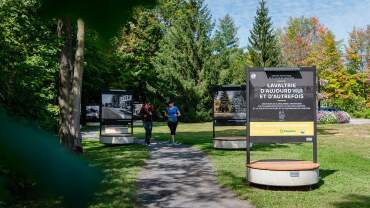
(283, 173)
(229, 143)
(117, 139)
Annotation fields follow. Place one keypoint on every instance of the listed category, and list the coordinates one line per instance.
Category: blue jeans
(148, 126)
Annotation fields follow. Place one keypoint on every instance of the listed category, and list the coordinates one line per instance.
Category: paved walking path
(359, 121)
(181, 176)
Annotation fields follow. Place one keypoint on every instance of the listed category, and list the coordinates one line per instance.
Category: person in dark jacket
(147, 114)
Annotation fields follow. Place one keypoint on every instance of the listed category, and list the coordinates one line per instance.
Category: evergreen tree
(225, 105)
(183, 59)
(225, 34)
(136, 50)
(264, 49)
(228, 59)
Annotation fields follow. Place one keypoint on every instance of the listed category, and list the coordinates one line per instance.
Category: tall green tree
(228, 66)
(136, 50)
(105, 17)
(183, 60)
(226, 34)
(29, 50)
(263, 49)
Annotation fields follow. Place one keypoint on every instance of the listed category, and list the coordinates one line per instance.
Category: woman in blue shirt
(172, 113)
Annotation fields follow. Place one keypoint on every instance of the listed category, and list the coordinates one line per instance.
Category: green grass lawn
(344, 155)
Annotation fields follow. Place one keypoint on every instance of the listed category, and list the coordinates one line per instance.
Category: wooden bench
(287, 173)
(283, 165)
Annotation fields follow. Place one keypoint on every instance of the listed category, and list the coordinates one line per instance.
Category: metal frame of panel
(281, 139)
(224, 88)
(123, 122)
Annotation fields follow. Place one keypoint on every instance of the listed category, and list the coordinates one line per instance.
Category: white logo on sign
(253, 76)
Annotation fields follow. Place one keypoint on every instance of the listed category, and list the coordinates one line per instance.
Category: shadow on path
(181, 176)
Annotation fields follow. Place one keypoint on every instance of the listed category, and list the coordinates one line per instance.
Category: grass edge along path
(121, 165)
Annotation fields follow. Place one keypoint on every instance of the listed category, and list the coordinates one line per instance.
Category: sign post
(116, 119)
(281, 109)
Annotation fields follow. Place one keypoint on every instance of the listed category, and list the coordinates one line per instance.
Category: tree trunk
(77, 85)
(65, 75)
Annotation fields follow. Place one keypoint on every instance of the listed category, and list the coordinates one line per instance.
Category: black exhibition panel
(92, 113)
(116, 108)
(229, 106)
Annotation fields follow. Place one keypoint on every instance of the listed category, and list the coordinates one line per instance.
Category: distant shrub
(327, 117)
(342, 117)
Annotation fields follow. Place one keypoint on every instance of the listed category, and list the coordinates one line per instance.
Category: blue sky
(340, 16)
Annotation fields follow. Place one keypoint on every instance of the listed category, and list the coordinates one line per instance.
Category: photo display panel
(117, 105)
(282, 104)
(92, 113)
(229, 103)
(137, 108)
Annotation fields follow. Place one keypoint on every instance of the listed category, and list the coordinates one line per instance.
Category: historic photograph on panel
(137, 108)
(92, 113)
(116, 106)
(230, 105)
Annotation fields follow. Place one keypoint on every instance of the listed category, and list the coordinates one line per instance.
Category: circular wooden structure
(286, 173)
(229, 142)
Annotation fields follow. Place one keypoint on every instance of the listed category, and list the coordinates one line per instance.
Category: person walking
(172, 113)
(146, 112)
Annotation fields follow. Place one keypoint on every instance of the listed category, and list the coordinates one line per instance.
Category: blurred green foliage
(105, 17)
(32, 158)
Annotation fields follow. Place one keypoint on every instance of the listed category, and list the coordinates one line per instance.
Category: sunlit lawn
(120, 165)
(344, 155)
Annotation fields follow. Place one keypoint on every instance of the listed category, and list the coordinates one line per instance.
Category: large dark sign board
(281, 105)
